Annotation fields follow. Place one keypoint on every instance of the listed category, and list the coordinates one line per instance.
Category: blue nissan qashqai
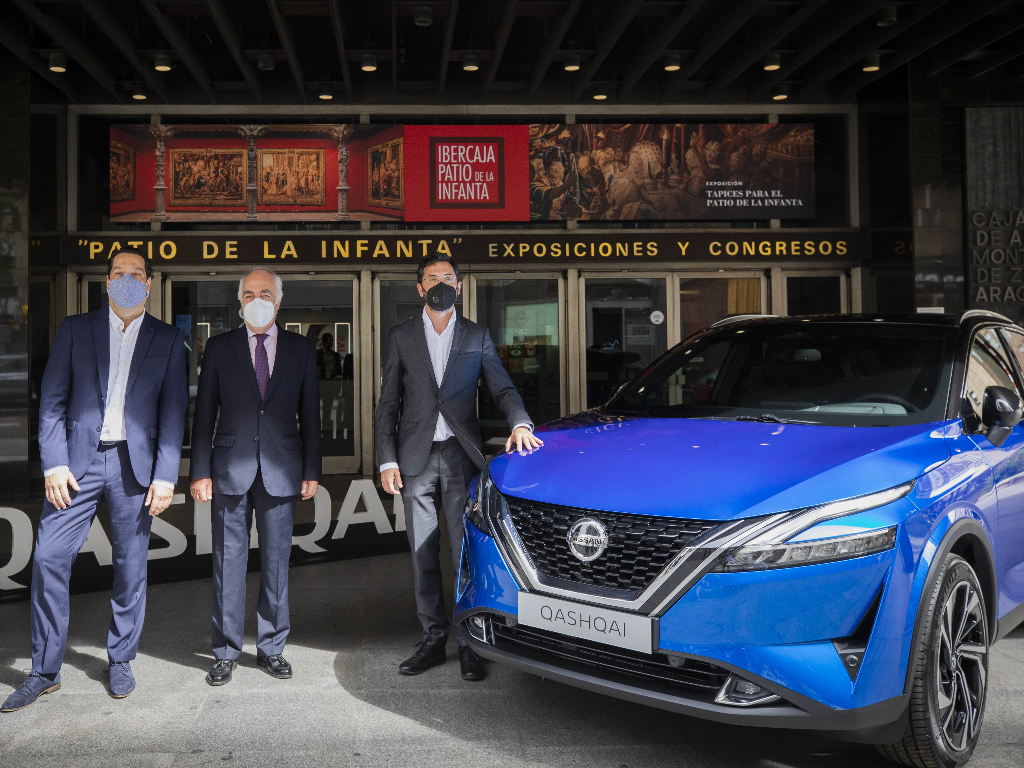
(810, 523)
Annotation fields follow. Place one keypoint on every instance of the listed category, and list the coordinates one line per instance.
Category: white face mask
(258, 312)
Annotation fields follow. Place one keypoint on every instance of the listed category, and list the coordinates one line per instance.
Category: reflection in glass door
(704, 301)
(626, 329)
(523, 316)
(318, 309)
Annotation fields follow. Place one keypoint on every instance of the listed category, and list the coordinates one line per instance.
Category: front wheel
(950, 674)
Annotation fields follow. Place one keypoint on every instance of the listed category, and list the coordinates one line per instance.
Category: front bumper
(882, 722)
(786, 648)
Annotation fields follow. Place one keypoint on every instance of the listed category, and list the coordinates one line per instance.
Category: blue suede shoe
(35, 685)
(122, 681)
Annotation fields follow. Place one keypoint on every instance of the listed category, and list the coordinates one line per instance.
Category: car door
(990, 365)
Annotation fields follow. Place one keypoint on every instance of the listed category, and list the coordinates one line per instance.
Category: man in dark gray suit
(428, 439)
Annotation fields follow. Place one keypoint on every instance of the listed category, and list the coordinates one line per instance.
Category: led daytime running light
(757, 558)
(801, 520)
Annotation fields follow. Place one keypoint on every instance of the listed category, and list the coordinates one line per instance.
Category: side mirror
(1001, 411)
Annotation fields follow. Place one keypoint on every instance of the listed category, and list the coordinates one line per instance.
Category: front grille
(638, 546)
(693, 674)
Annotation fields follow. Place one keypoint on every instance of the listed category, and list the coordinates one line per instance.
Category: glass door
(704, 299)
(526, 318)
(319, 308)
(816, 293)
(625, 321)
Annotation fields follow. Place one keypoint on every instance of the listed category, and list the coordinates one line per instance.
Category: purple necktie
(262, 364)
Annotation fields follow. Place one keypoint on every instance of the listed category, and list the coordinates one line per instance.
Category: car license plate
(624, 630)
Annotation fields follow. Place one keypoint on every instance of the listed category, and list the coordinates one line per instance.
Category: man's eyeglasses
(431, 280)
(265, 295)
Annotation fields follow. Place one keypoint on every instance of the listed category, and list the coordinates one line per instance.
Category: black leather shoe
(472, 665)
(221, 672)
(429, 655)
(275, 665)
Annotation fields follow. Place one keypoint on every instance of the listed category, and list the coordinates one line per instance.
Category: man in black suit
(259, 378)
(428, 439)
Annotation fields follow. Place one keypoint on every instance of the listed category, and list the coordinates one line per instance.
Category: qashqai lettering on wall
(361, 526)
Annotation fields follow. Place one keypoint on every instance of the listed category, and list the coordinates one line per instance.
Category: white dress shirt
(269, 343)
(439, 347)
(122, 349)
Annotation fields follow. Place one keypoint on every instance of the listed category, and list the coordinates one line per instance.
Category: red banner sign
(472, 173)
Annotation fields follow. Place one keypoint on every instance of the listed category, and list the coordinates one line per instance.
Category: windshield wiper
(771, 418)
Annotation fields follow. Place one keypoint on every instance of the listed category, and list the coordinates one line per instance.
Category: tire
(950, 674)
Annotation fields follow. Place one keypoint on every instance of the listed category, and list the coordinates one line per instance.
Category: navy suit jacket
(254, 433)
(74, 393)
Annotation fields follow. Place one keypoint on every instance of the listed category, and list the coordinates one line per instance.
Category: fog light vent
(738, 692)
(479, 626)
(851, 649)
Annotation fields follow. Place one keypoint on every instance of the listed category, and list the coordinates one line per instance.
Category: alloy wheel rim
(961, 673)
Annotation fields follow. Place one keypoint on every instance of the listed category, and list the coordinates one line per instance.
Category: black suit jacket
(410, 398)
(252, 433)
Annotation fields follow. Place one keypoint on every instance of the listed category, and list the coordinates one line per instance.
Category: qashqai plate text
(600, 625)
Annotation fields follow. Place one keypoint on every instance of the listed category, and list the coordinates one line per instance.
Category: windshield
(841, 374)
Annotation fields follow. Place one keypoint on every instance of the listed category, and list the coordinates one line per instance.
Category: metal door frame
(332, 465)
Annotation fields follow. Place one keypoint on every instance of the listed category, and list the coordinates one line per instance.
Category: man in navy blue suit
(111, 420)
(258, 379)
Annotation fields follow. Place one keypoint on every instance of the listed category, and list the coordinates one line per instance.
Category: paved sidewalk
(352, 622)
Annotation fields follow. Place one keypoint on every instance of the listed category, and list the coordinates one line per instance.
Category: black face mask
(441, 297)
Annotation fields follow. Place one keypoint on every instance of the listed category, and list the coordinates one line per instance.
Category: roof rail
(982, 313)
(736, 318)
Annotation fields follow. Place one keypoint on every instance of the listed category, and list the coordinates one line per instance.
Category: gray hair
(278, 285)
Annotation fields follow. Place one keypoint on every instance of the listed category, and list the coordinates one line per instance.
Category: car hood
(712, 470)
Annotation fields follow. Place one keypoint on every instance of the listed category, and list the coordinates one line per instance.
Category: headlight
(476, 509)
(757, 558)
(770, 548)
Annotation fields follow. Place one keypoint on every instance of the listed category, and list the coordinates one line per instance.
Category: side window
(989, 366)
(1015, 341)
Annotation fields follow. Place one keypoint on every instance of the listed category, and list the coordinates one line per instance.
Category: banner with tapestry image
(671, 171)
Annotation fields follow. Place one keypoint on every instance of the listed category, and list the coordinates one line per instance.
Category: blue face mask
(127, 292)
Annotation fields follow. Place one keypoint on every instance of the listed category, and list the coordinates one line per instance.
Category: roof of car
(969, 318)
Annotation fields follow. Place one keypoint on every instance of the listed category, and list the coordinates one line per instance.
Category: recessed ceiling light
(423, 15)
(58, 62)
(772, 62)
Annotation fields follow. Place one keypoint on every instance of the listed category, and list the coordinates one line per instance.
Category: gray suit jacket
(410, 398)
